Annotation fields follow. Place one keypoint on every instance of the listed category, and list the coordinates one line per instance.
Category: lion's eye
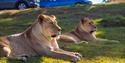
(50, 22)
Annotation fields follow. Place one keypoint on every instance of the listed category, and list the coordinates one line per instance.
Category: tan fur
(85, 32)
(39, 39)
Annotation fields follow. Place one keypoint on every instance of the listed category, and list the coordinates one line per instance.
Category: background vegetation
(110, 19)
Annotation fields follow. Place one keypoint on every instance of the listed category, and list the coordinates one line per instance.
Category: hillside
(110, 19)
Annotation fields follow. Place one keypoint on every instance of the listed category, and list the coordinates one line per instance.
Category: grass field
(110, 19)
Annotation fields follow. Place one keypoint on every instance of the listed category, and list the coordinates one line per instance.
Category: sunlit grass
(51, 60)
(97, 21)
(102, 59)
(10, 12)
(99, 33)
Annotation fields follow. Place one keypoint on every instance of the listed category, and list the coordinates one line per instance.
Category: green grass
(110, 19)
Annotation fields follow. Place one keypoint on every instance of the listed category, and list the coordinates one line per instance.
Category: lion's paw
(75, 59)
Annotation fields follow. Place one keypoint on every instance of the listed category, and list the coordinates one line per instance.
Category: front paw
(23, 58)
(115, 41)
(75, 59)
(77, 54)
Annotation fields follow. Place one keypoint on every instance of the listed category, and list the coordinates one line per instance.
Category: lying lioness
(85, 32)
(38, 39)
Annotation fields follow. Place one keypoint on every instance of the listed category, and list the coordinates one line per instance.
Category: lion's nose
(94, 26)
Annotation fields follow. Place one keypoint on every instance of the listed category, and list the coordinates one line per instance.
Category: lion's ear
(41, 18)
(84, 19)
(53, 16)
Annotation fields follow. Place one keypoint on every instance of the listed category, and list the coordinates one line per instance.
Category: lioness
(39, 39)
(85, 32)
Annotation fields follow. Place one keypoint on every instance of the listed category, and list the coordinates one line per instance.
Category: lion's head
(87, 25)
(49, 26)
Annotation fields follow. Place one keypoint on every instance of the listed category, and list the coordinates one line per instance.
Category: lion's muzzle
(94, 29)
(55, 35)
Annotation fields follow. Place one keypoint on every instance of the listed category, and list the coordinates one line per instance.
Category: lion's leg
(73, 53)
(57, 49)
(19, 57)
(22, 58)
(63, 55)
(4, 51)
(83, 42)
(68, 39)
